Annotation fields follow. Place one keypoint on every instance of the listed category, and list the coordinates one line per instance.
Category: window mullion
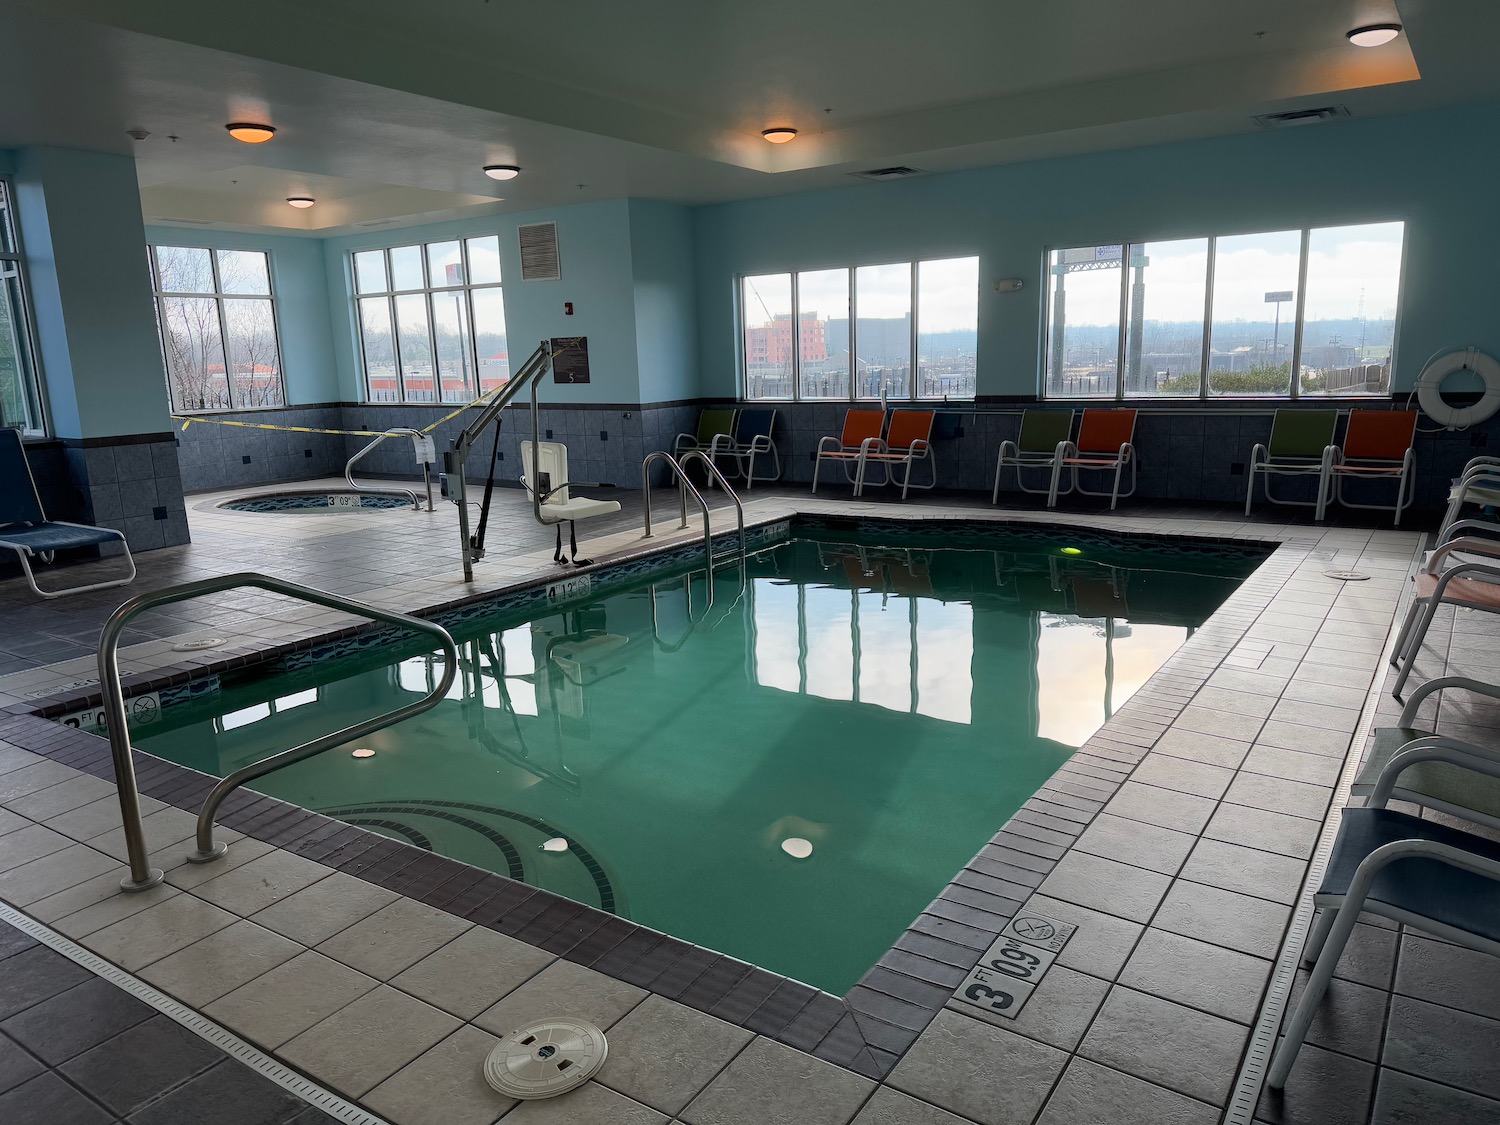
(1124, 325)
(1295, 386)
(390, 304)
(796, 338)
(853, 337)
(911, 379)
(1206, 353)
(218, 299)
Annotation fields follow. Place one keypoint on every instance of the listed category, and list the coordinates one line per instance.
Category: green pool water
(786, 768)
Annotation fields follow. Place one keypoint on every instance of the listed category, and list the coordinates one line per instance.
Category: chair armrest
(1063, 449)
(722, 443)
(1012, 447)
(1435, 748)
(690, 440)
(1127, 452)
(1463, 543)
(872, 445)
(1483, 527)
(823, 445)
(1258, 456)
(1443, 683)
(1447, 577)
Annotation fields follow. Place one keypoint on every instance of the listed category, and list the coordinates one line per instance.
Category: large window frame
(219, 296)
(29, 407)
(1131, 256)
(473, 376)
(856, 392)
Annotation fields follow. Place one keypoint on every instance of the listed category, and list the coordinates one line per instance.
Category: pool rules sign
(1013, 966)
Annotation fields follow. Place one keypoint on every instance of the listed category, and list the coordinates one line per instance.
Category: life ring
(1439, 368)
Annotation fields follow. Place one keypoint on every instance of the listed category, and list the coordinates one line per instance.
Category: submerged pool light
(556, 844)
(1072, 550)
(797, 847)
(362, 752)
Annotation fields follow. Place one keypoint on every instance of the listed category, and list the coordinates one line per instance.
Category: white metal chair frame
(724, 445)
(1068, 451)
(1338, 913)
(834, 450)
(876, 448)
(1368, 468)
(1261, 462)
(1424, 607)
(1035, 459)
(1478, 484)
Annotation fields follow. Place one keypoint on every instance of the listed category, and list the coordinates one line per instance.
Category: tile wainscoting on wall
(1185, 454)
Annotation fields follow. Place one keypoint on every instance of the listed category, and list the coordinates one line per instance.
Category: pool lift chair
(1419, 873)
(546, 481)
(26, 530)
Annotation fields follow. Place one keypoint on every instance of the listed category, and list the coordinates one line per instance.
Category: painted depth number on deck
(1010, 970)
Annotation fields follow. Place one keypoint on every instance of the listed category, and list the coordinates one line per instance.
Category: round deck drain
(1347, 575)
(546, 1058)
(199, 645)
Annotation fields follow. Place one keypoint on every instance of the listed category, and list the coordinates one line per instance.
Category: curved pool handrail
(142, 874)
(416, 501)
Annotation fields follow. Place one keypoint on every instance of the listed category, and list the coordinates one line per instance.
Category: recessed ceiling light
(501, 171)
(303, 201)
(250, 132)
(1374, 34)
(780, 135)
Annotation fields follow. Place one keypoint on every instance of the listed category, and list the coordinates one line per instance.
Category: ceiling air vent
(184, 222)
(539, 261)
(1298, 117)
(375, 223)
(900, 172)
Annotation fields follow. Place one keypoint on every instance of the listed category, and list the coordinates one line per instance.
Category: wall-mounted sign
(570, 359)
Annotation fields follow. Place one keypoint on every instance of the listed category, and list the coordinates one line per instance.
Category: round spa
(308, 502)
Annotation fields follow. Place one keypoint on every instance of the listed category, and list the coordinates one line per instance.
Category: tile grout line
(233, 1046)
(1250, 1081)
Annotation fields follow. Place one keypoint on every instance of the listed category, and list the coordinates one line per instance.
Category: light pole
(1276, 297)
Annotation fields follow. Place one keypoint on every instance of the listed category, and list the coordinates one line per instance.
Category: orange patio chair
(1105, 444)
(908, 441)
(862, 430)
(1377, 446)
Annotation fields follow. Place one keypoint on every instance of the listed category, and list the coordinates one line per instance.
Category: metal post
(142, 875)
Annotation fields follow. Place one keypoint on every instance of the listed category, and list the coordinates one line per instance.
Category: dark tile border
(867, 1030)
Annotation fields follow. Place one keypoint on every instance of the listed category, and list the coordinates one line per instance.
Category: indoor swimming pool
(769, 765)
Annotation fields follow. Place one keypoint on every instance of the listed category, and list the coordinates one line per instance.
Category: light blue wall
(302, 304)
(1434, 170)
(594, 245)
(666, 302)
(80, 217)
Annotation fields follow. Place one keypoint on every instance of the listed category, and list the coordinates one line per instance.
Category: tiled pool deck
(1176, 840)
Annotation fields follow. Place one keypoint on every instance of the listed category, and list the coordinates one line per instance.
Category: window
(217, 317)
(850, 333)
(432, 320)
(1225, 316)
(20, 393)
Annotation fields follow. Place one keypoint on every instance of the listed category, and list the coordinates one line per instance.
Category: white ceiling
(388, 108)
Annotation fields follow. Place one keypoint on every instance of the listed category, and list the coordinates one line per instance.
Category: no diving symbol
(145, 708)
(1034, 929)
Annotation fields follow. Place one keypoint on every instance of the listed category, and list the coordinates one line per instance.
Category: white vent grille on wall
(539, 260)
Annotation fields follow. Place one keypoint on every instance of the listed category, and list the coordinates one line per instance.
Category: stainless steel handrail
(142, 874)
(399, 431)
(713, 471)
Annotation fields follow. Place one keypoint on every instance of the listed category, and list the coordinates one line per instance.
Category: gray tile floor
(1181, 888)
(77, 1050)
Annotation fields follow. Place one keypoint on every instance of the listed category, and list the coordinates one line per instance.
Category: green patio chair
(1042, 444)
(1301, 445)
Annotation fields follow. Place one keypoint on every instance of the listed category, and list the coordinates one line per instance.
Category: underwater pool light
(797, 847)
(362, 752)
(556, 844)
(1072, 550)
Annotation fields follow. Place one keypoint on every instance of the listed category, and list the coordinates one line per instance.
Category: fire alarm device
(567, 308)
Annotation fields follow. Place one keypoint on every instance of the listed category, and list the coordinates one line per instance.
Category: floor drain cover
(198, 645)
(546, 1058)
(1347, 575)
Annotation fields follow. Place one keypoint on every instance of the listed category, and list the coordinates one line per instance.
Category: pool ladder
(686, 487)
(142, 875)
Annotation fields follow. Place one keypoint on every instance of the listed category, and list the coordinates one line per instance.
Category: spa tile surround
(1175, 840)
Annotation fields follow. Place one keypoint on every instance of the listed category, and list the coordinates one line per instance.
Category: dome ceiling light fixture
(251, 132)
(502, 171)
(301, 201)
(1374, 34)
(780, 134)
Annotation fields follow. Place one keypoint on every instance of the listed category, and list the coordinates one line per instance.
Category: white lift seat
(545, 470)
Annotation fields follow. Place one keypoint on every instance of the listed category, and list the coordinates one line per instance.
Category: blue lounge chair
(26, 530)
(1420, 873)
(752, 438)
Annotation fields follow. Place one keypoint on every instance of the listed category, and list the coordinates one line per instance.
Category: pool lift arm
(456, 458)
